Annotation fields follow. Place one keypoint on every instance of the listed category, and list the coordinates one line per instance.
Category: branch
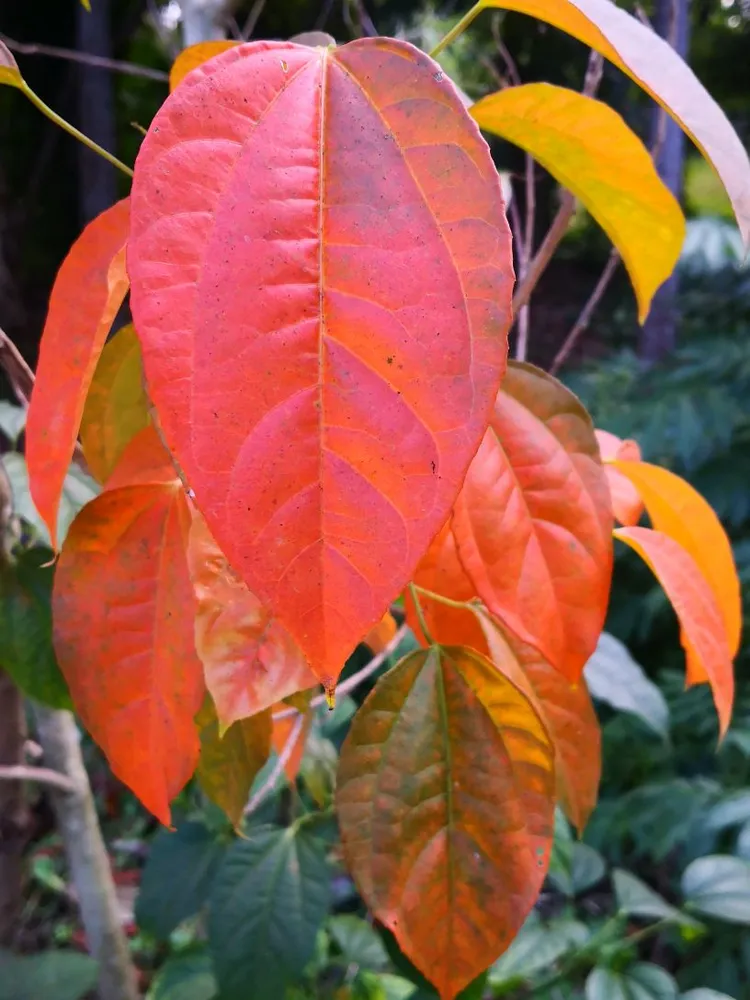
(115, 65)
(581, 324)
(268, 786)
(41, 775)
(252, 18)
(543, 256)
(19, 374)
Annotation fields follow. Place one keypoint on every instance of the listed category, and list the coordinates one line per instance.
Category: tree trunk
(14, 814)
(87, 856)
(659, 334)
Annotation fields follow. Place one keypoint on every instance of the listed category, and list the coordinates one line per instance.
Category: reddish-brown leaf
(703, 630)
(627, 505)
(445, 799)
(249, 660)
(533, 521)
(88, 291)
(123, 611)
(322, 303)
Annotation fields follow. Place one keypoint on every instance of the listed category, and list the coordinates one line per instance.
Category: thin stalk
(72, 130)
(449, 602)
(457, 29)
(420, 614)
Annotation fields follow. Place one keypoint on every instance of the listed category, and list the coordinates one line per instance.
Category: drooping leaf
(249, 660)
(627, 504)
(88, 292)
(230, 762)
(640, 981)
(270, 897)
(590, 150)
(533, 521)
(654, 65)
(185, 977)
(392, 247)
(718, 886)
(178, 876)
(194, 56)
(636, 899)
(614, 677)
(54, 975)
(700, 618)
(678, 510)
(379, 637)
(123, 612)
(10, 74)
(439, 742)
(116, 407)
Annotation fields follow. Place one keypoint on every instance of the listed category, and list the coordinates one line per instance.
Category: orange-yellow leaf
(322, 303)
(655, 66)
(117, 407)
(194, 56)
(283, 730)
(699, 614)
(229, 764)
(627, 505)
(590, 150)
(88, 291)
(123, 610)
(533, 521)
(10, 74)
(249, 660)
(567, 712)
(379, 637)
(445, 800)
(678, 510)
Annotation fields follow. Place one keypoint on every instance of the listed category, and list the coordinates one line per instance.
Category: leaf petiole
(457, 29)
(414, 591)
(434, 596)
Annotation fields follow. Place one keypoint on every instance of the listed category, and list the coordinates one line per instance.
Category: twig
(116, 65)
(41, 775)
(581, 324)
(252, 18)
(544, 254)
(19, 374)
(594, 72)
(268, 786)
(325, 13)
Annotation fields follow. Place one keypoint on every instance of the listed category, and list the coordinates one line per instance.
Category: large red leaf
(88, 291)
(249, 660)
(123, 610)
(533, 521)
(703, 630)
(321, 274)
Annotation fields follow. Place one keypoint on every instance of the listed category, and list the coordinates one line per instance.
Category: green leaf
(50, 975)
(732, 810)
(704, 993)
(613, 676)
(742, 847)
(12, 420)
(537, 947)
(271, 895)
(636, 899)
(359, 942)
(26, 650)
(642, 981)
(78, 489)
(177, 878)
(576, 867)
(718, 885)
(185, 977)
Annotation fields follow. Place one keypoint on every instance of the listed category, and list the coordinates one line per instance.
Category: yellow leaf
(655, 66)
(117, 407)
(590, 150)
(10, 74)
(193, 57)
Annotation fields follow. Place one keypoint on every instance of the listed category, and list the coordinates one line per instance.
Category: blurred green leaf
(12, 420)
(49, 975)
(577, 867)
(184, 977)
(636, 899)
(78, 489)
(703, 993)
(642, 981)
(718, 885)
(537, 947)
(359, 942)
(613, 676)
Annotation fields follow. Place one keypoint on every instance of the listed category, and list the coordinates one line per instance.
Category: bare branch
(41, 775)
(115, 65)
(19, 374)
(252, 18)
(594, 72)
(268, 786)
(581, 324)
(543, 256)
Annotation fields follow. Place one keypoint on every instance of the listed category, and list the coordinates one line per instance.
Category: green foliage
(53, 975)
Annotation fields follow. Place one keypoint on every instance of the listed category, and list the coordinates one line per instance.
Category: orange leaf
(445, 799)
(324, 241)
(379, 637)
(678, 510)
(123, 610)
(194, 56)
(627, 505)
(88, 291)
(249, 660)
(567, 712)
(696, 607)
(282, 732)
(533, 522)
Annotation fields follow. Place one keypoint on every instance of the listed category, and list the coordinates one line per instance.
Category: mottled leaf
(391, 246)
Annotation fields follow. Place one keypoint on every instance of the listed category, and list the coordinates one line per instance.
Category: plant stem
(72, 130)
(457, 29)
(543, 256)
(581, 324)
(420, 614)
(434, 596)
(115, 65)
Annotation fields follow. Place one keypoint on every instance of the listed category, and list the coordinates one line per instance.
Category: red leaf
(533, 521)
(702, 625)
(322, 302)
(87, 294)
(249, 660)
(123, 611)
(627, 505)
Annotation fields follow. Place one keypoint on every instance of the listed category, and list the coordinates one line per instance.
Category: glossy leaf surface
(320, 220)
(249, 660)
(194, 56)
(700, 617)
(655, 66)
(87, 294)
(627, 504)
(590, 150)
(116, 407)
(533, 520)
(442, 739)
(123, 608)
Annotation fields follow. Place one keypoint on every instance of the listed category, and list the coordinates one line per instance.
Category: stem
(543, 256)
(268, 786)
(448, 601)
(53, 51)
(72, 130)
(420, 614)
(42, 775)
(581, 324)
(457, 29)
